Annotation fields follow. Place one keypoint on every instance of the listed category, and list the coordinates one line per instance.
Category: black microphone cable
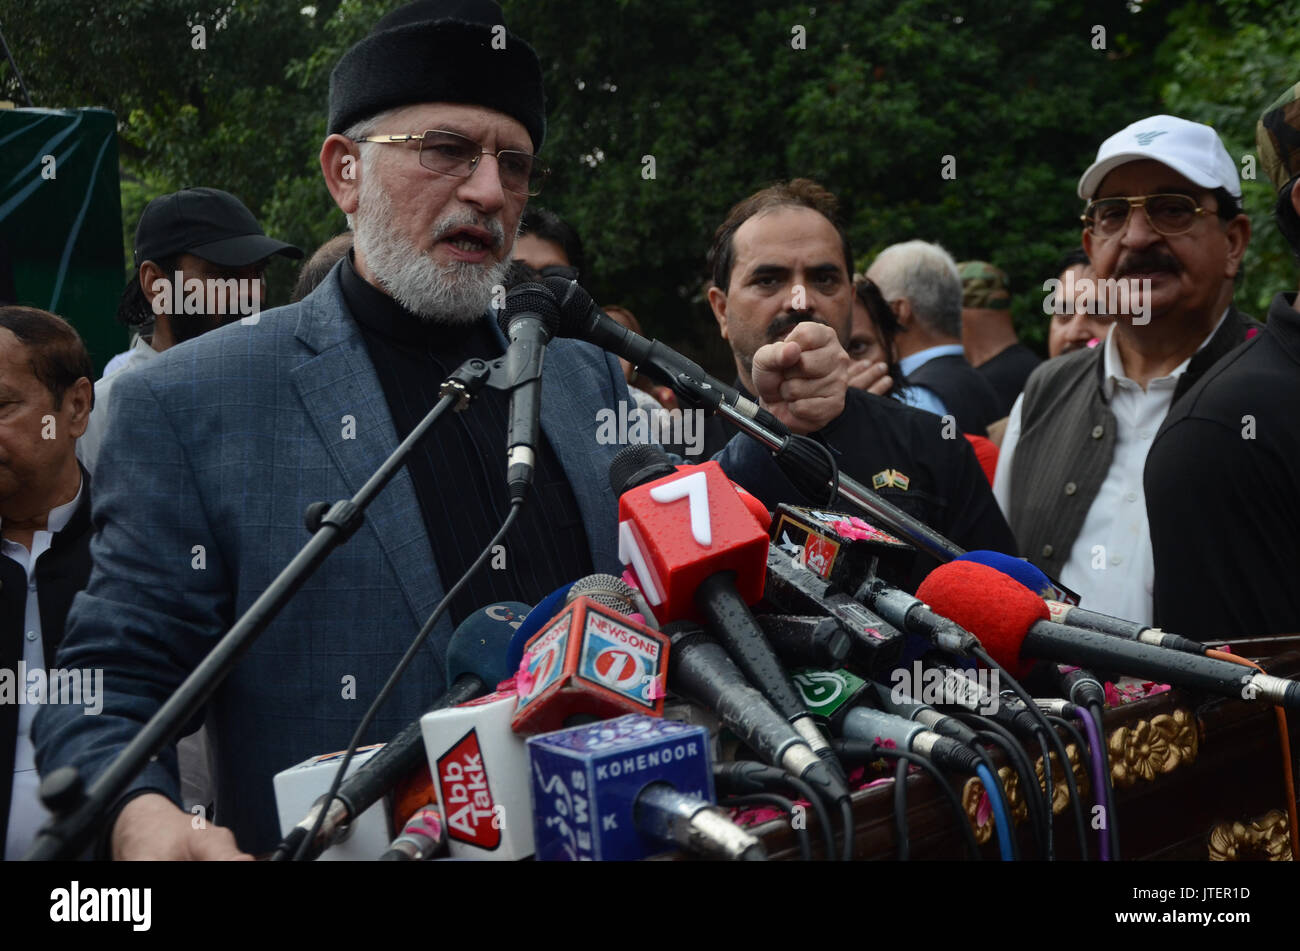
(746, 776)
(1094, 761)
(391, 683)
(1080, 824)
(982, 655)
(785, 805)
(859, 752)
(1043, 744)
(995, 734)
(900, 810)
(846, 817)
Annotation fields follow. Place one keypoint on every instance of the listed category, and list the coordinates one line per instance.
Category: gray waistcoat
(1067, 442)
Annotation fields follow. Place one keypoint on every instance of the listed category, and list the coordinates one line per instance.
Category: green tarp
(61, 218)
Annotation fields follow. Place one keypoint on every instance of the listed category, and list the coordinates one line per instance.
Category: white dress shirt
(1110, 564)
(26, 814)
(89, 444)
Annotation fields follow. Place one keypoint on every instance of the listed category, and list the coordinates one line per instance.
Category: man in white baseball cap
(1164, 230)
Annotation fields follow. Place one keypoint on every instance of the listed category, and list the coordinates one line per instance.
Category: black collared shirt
(1222, 485)
(459, 469)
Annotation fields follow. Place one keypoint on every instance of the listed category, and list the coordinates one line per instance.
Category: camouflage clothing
(1277, 136)
(984, 286)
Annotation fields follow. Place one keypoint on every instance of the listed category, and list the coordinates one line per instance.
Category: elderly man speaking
(436, 120)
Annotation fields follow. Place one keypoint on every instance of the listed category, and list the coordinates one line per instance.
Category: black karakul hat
(440, 51)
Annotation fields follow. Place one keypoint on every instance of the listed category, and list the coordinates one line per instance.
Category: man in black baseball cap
(200, 257)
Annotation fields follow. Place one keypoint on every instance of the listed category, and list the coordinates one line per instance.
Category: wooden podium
(1196, 778)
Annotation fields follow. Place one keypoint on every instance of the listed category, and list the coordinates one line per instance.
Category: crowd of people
(1149, 464)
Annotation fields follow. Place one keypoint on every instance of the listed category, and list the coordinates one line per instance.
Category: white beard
(458, 293)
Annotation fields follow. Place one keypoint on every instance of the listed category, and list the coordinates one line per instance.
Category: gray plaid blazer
(211, 455)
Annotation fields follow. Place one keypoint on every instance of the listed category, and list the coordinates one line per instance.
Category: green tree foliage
(726, 96)
(200, 91)
(1226, 62)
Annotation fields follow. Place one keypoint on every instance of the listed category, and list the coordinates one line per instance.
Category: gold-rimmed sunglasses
(1169, 214)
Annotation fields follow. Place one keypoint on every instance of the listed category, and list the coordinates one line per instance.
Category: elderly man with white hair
(921, 283)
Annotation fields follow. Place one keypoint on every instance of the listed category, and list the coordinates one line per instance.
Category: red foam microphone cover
(679, 530)
(991, 605)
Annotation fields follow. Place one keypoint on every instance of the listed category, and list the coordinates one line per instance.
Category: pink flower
(755, 815)
(524, 679)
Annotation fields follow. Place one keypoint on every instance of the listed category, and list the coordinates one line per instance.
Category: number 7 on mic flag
(676, 531)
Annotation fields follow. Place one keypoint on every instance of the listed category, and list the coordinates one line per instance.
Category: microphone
(806, 641)
(699, 554)
(581, 318)
(639, 463)
(622, 789)
(615, 594)
(529, 320)
(1116, 627)
(420, 838)
(958, 687)
(678, 530)
(480, 771)
(1015, 630)
(867, 725)
(894, 701)
(1073, 615)
(1081, 686)
(700, 670)
(417, 825)
(842, 549)
(300, 790)
(831, 537)
(593, 661)
(536, 619)
(873, 644)
(475, 664)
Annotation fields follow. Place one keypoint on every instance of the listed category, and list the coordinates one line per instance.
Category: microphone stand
(78, 813)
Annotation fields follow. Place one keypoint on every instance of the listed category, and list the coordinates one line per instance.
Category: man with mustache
(435, 121)
(781, 264)
(1164, 215)
(1223, 468)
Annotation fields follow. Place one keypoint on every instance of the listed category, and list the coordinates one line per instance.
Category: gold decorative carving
(1149, 748)
(1060, 789)
(1267, 839)
(973, 792)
